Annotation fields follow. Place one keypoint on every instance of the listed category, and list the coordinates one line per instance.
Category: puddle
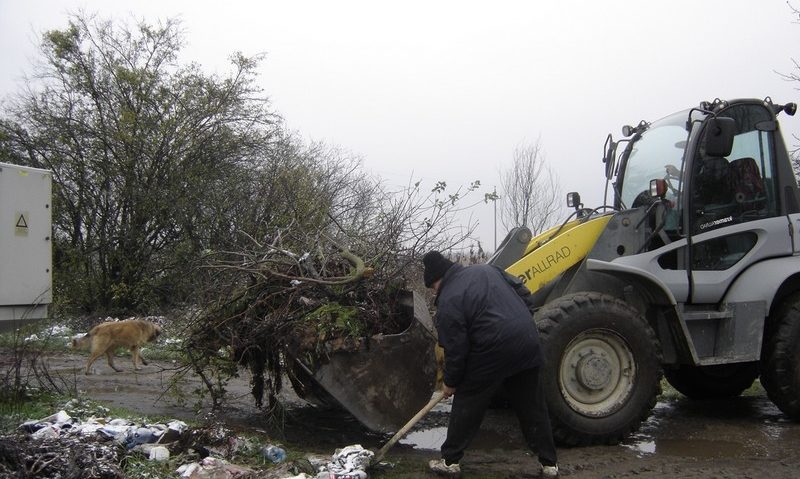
(500, 429)
(642, 447)
(426, 439)
(740, 427)
(696, 448)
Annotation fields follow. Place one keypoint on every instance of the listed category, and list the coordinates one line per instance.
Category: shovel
(437, 396)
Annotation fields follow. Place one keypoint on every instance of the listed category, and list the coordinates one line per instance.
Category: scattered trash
(318, 462)
(342, 475)
(159, 453)
(110, 437)
(120, 430)
(350, 462)
(59, 420)
(213, 468)
(140, 435)
(173, 432)
(48, 431)
(239, 445)
(273, 453)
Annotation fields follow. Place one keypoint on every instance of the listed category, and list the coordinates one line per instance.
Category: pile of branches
(272, 305)
(327, 272)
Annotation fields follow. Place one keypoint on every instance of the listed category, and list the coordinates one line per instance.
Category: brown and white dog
(106, 337)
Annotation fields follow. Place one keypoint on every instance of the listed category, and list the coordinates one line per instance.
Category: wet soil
(745, 437)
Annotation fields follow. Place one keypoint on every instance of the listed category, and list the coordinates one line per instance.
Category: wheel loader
(689, 271)
(692, 268)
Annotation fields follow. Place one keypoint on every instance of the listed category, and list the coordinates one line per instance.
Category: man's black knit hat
(436, 266)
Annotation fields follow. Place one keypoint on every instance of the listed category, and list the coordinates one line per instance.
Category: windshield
(659, 148)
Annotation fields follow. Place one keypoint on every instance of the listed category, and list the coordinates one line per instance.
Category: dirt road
(742, 438)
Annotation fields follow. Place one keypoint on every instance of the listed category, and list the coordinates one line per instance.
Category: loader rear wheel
(780, 362)
(712, 382)
(603, 368)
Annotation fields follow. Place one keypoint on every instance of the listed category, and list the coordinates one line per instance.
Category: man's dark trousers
(527, 399)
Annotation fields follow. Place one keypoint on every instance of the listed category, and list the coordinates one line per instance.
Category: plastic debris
(349, 462)
(61, 420)
(159, 453)
(49, 431)
(177, 426)
(318, 461)
(61, 417)
(342, 475)
(273, 453)
(120, 430)
(139, 435)
(213, 468)
(113, 431)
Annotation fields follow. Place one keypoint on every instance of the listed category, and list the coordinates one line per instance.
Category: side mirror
(609, 156)
(719, 136)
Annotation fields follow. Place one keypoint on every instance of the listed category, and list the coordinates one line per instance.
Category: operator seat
(714, 181)
(748, 186)
(713, 195)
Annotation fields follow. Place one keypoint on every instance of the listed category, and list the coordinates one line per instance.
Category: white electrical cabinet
(25, 245)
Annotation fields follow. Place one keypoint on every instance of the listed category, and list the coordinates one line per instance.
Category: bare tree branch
(532, 194)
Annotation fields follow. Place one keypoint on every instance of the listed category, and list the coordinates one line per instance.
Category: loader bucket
(389, 378)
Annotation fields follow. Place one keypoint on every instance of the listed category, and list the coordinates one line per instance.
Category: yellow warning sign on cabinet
(21, 226)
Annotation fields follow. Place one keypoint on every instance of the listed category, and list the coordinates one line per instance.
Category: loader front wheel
(603, 368)
(780, 361)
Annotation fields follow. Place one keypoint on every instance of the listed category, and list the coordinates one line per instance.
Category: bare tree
(531, 191)
(794, 151)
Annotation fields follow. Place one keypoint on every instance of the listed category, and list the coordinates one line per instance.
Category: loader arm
(556, 250)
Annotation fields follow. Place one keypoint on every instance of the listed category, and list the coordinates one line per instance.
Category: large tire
(780, 359)
(603, 368)
(712, 382)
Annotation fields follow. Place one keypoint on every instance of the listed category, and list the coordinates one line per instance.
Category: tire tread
(550, 318)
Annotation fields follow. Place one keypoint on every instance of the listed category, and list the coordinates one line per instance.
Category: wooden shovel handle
(437, 396)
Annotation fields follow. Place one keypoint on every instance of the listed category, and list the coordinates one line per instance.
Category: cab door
(733, 206)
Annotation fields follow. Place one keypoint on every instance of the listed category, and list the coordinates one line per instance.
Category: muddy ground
(743, 438)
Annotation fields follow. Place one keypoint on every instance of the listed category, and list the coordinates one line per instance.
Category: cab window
(740, 187)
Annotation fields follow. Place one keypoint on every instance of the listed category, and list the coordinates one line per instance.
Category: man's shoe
(550, 471)
(440, 467)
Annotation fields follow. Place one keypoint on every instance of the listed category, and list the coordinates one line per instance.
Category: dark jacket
(484, 326)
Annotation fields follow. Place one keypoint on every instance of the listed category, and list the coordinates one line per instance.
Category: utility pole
(494, 202)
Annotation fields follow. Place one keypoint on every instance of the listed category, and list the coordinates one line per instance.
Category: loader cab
(729, 188)
(734, 169)
(722, 164)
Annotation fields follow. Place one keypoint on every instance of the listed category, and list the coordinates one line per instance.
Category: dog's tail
(82, 342)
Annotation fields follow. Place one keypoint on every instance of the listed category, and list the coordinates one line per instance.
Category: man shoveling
(490, 342)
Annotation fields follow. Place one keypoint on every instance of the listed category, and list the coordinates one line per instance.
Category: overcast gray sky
(445, 90)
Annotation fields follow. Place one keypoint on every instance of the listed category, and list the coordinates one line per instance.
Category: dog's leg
(110, 356)
(92, 358)
(141, 358)
(136, 356)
